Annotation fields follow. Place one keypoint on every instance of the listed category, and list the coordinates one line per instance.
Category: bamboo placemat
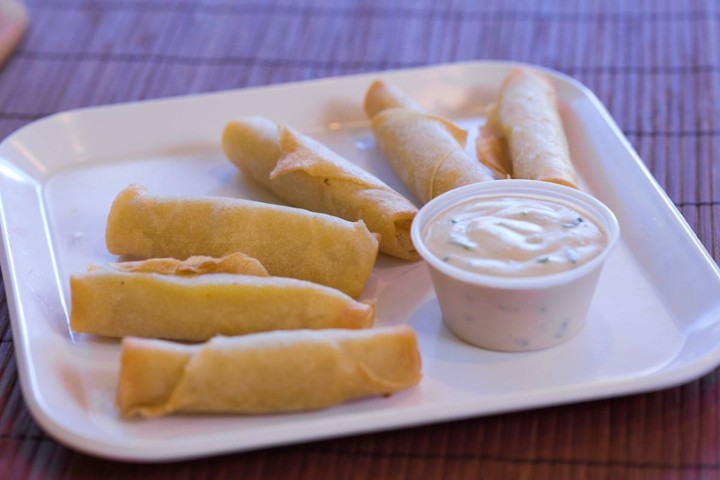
(654, 64)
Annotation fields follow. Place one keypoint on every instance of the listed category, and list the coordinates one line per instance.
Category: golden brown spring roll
(306, 174)
(234, 263)
(266, 372)
(526, 116)
(426, 151)
(117, 304)
(289, 242)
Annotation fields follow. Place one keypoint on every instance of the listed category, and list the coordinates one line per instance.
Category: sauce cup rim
(551, 191)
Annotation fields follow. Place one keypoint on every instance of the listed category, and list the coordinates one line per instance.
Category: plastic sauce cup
(515, 313)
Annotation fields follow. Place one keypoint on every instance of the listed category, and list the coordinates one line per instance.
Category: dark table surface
(654, 64)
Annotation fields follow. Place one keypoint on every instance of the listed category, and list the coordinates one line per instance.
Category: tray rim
(655, 381)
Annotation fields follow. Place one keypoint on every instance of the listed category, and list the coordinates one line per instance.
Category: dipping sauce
(515, 263)
(514, 236)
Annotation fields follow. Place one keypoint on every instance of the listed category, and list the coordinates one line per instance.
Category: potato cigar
(114, 303)
(426, 151)
(526, 117)
(267, 372)
(289, 242)
(306, 174)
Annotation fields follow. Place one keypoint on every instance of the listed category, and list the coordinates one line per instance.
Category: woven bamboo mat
(654, 64)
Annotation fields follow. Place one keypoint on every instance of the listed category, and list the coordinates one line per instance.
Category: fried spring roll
(117, 304)
(289, 242)
(267, 372)
(306, 174)
(525, 115)
(426, 151)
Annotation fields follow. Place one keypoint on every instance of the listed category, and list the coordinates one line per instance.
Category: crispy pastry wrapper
(267, 372)
(383, 96)
(426, 151)
(197, 265)
(289, 242)
(492, 151)
(306, 174)
(114, 303)
(526, 117)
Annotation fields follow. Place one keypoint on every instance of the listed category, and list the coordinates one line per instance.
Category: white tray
(654, 321)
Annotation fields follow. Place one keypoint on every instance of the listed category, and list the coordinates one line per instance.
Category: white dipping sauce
(515, 263)
(514, 236)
